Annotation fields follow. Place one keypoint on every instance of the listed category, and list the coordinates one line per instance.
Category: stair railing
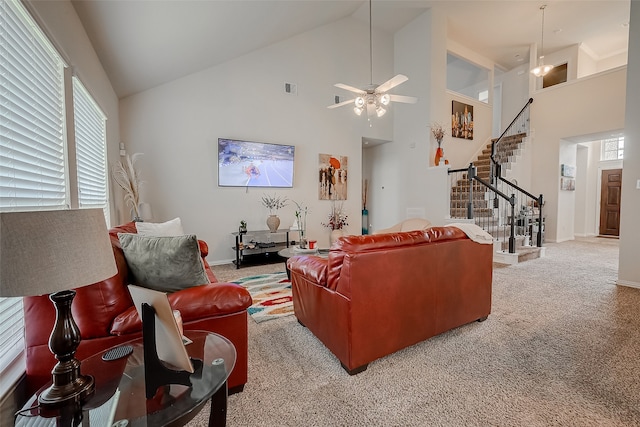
(531, 216)
(515, 216)
(470, 174)
(519, 125)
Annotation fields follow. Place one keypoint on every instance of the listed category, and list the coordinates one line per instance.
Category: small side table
(120, 390)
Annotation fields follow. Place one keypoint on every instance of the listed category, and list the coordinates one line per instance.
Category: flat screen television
(254, 164)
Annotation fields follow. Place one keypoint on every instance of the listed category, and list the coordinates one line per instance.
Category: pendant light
(542, 70)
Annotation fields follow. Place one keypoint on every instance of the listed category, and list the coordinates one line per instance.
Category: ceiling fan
(374, 98)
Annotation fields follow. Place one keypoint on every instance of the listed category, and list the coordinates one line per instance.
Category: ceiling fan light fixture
(374, 98)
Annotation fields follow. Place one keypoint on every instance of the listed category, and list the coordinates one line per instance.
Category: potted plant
(337, 220)
(301, 221)
(438, 133)
(243, 227)
(273, 203)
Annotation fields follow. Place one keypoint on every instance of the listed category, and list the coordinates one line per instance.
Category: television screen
(254, 164)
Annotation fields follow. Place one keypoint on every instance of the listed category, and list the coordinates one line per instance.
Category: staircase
(484, 213)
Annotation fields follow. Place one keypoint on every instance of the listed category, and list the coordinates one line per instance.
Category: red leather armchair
(377, 294)
(106, 317)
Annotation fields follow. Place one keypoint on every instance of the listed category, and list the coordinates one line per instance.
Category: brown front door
(611, 188)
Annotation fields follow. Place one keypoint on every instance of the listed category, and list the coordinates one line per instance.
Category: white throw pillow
(161, 229)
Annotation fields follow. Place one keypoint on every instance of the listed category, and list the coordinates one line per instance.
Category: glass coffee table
(119, 398)
(294, 251)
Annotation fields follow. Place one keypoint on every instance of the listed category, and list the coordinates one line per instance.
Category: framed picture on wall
(567, 184)
(568, 171)
(461, 120)
(332, 177)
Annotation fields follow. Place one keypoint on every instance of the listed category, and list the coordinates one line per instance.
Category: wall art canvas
(332, 177)
(568, 171)
(461, 120)
(567, 184)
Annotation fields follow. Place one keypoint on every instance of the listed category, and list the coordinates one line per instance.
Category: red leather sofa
(377, 294)
(106, 317)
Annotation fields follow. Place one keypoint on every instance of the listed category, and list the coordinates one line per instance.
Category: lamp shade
(49, 251)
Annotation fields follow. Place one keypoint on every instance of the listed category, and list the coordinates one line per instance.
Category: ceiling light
(375, 97)
(541, 70)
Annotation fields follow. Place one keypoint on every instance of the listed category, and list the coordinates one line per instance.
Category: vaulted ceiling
(144, 43)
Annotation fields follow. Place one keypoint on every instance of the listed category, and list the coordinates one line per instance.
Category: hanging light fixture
(541, 70)
(374, 99)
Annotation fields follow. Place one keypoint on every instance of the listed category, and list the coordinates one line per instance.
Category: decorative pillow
(169, 228)
(164, 263)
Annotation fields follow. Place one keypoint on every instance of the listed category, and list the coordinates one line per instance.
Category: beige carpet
(561, 348)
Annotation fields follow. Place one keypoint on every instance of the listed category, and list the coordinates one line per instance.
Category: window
(91, 156)
(34, 161)
(557, 75)
(613, 149)
(467, 78)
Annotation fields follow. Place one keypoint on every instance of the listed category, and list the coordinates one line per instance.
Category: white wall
(177, 126)
(586, 63)
(515, 92)
(592, 104)
(581, 208)
(567, 155)
(629, 268)
(384, 186)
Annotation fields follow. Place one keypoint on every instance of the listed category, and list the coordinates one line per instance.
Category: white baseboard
(628, 283)
(221, 261)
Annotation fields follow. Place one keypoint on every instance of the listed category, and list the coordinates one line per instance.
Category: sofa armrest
(197, 302)
(314, 268)
(204, 248)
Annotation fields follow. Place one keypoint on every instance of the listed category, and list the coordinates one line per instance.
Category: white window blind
(32, 151)
(32, 164)
(91, 159)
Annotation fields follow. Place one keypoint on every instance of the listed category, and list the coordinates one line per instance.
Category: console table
(261, 244)
(119, 397)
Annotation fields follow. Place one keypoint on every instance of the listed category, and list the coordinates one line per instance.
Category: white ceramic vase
(335, 235)
(273, 222)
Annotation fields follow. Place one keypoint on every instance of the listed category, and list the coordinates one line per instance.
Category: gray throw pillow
(166, 264)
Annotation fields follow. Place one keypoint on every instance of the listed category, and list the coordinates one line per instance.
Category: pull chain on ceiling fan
(374, 98)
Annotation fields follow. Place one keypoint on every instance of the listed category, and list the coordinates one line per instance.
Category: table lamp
(52, 252)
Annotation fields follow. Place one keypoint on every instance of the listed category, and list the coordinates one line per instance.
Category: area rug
(271, 295)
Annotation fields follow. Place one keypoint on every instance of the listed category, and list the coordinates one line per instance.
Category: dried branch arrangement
(128, 178)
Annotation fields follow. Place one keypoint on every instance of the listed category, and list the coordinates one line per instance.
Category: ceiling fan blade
(340, 104)
(392, 82)
(402, 98)
(350, 88)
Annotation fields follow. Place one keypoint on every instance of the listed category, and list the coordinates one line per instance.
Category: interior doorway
(610, 192)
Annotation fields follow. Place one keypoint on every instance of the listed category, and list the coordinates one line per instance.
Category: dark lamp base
(69, 386)
(56, 397)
